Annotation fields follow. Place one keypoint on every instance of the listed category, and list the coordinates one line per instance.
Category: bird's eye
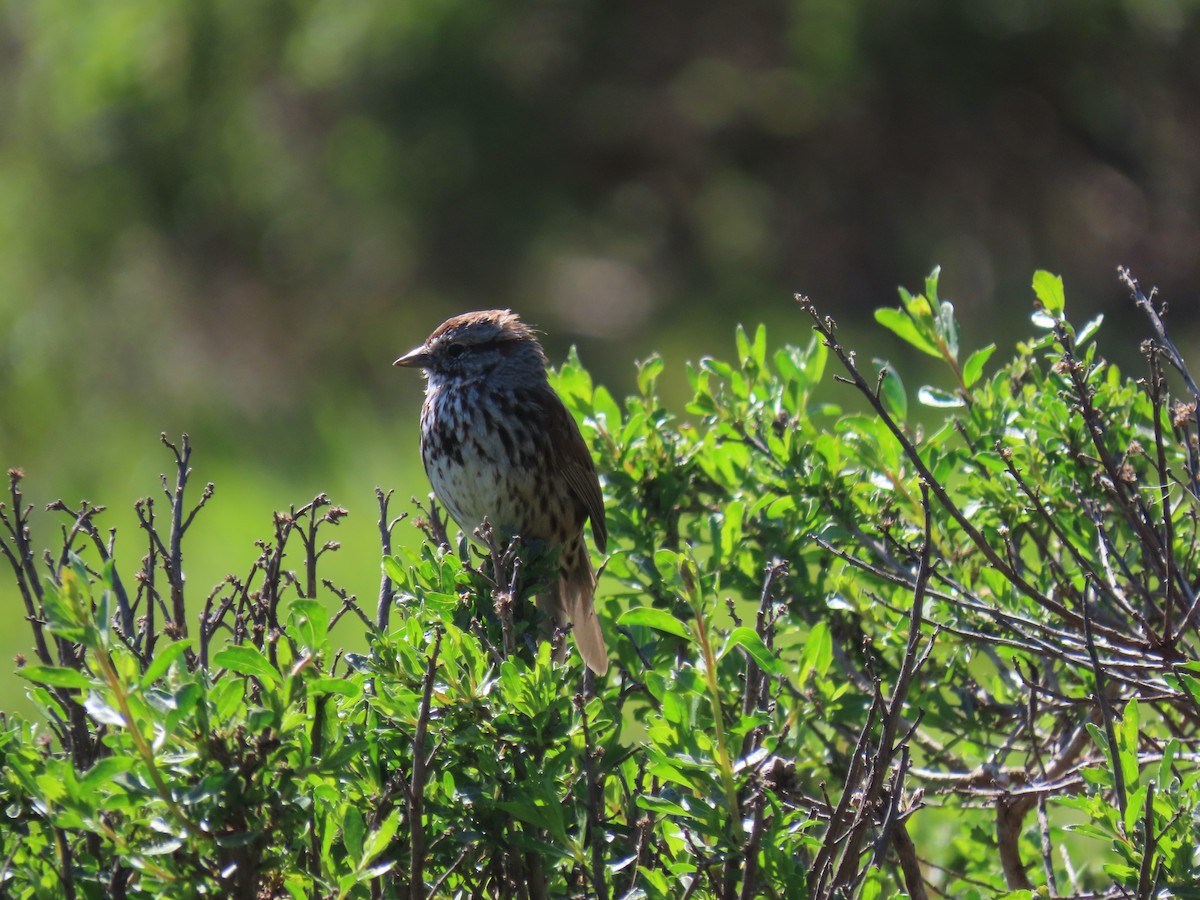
(454, 351)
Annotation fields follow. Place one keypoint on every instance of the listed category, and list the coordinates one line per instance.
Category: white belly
(481, 472)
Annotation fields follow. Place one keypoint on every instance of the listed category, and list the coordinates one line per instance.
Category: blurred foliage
(242, 209)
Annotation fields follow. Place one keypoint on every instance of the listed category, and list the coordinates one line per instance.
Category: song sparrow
(498, 442)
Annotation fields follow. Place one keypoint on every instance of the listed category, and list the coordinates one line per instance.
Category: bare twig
(594, 787)
(20, 559)
(910, 866)
(420, 774)
(383, 610)
(887, 746)
(1106, 713)
(180, 522)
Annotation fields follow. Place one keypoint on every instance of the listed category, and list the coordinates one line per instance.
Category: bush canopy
(858, 652)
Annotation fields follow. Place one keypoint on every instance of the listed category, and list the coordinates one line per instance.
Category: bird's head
(480, 345)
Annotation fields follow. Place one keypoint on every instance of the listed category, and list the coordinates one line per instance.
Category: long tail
(574, 604)
(585, 626)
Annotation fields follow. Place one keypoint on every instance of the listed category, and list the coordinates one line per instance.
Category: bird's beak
(416, 358)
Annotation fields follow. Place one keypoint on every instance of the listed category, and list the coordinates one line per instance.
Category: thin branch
(383, 610)
(416, 792)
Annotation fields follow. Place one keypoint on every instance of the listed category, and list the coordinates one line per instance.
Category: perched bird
(497, 442)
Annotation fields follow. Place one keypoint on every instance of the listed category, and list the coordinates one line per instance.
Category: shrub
(855, 655)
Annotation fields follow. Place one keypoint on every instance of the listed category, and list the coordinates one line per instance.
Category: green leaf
(353, 829)
(689, 576)
(901, 324)
(895, 398)
(186, 699)
(227, 696)
(394, 570)
(1135, 803)
(1097, 735)
(663, 806)
(1127, 741)
(743, 345)
(1126, 874)
(607, 412)
(931, 284)
(818, 651)
(938, 398)
(105, 770)
(102, 711)
(720, 368)
(1089, 330)
(56, 676)
(102, 615)
(63, 612)
(1049, 290)
(382, 836)
(247, 660)
(328, 685)
(648, 372)
(1170, 751)
(667, 564)
(1041, 319)
(658, 619)
(973, 368)
(309, 624)
(817, 357)
(750, 641)
(759, 350)
(571, 378)
(947, 328)
(731, 529)
(163, 657)
(441, 602)
(543, 814)
(676, 709)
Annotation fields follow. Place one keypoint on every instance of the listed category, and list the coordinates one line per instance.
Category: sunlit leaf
(1048, 289)
(895, 398)
(327, 685)
(648, 372)
(658, 619)
(394, 570)
(382, 836)
(902, 325)
(973, 367)
(247, 660)
(353, 831)
(102, 711)
(936, 397)
(56, 676)
(163, 658)
(1088, 331)
(749, 640)
(947, 328)
(818, 651)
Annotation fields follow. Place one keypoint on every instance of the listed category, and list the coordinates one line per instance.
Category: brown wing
(574, 461)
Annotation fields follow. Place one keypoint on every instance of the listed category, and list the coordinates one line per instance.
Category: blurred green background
(228, 217)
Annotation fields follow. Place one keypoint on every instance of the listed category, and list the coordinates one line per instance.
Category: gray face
(486, 346)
